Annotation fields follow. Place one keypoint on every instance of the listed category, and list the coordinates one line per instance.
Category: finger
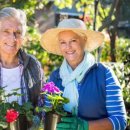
(69, 119)
(74, 111)
(63, 129)
(66, 126)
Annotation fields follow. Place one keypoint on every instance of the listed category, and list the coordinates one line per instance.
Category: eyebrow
(7, 29)
(61, 40)
(70, 39)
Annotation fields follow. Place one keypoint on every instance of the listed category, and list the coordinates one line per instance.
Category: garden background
(112, 17)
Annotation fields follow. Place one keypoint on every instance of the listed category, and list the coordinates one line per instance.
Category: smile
(70, 52)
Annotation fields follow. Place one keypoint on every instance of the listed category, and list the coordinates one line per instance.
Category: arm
(103, 124)
(115, 106)
(114, 102)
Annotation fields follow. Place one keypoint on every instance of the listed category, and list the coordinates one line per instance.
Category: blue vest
(92, 93)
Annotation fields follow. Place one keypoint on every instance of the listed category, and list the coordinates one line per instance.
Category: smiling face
(72, 47)
(10, 36)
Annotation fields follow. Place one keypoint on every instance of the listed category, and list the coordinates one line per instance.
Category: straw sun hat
(49, 39)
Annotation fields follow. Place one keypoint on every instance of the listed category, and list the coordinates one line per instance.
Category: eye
(74, 40)
(6, 31)
(18, 33)
(62, 42)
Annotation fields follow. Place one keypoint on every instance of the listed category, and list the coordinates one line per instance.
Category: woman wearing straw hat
(91, 87)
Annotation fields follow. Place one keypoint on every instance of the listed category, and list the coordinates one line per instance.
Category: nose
(13, 36)
(68, 45)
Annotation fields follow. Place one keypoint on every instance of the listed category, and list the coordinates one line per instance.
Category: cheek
(2, 40)
(19, 42)
(62, 48)
(62, 52)
(18, 45)
(80, 50)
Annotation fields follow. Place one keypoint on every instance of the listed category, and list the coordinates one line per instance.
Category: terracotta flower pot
(51, 120)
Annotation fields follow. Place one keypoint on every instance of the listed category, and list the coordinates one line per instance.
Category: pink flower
(11, 115)
(50, 88)
(51, 99)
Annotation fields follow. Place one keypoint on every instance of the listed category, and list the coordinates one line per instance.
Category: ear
(85, 38)
(24, 40)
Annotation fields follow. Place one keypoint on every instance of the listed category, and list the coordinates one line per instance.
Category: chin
(70, 59)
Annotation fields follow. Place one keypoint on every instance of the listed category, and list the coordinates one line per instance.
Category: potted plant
(12, 115)
(53, 113)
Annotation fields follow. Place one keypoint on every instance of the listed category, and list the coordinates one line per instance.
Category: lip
(70, 52)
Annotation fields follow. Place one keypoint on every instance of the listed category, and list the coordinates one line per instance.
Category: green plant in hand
(10, 111)
(53, 95)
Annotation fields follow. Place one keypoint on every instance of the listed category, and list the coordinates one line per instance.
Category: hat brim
(49, 39)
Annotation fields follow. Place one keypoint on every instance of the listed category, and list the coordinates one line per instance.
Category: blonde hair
(15, 13)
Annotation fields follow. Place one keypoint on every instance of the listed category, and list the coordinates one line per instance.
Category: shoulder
(30, 61)
(55, 73)
(99, 68)
(36, 64)
(26, 58)
(33, 60)
(102, 66)
(107, 70)
(54, 76)
(110, 76)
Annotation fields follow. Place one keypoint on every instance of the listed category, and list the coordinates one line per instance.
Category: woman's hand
(72, 123)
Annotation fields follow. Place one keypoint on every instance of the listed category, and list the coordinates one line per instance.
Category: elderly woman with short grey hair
(17, 68)
(92, 88)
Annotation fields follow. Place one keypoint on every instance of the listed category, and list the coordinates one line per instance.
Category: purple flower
(51, 99)
(50, 88)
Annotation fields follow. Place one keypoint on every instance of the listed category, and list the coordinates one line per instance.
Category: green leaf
(3, 124)
(47, 109)
(29, 115)
(27, 106)
(16, 89)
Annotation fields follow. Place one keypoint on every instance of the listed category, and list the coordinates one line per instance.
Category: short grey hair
(15, 13)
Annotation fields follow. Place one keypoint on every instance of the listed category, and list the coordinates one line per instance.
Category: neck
(75, 64)
(9, 61)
